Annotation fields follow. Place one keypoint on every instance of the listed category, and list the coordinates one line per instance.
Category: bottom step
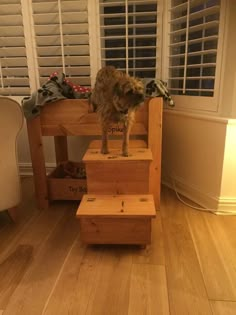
(116, 219)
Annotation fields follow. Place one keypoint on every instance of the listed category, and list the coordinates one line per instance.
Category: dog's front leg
(126, 133)
(104, 148)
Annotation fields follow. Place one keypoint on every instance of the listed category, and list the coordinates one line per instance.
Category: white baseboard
(205, 200)
(27, 170)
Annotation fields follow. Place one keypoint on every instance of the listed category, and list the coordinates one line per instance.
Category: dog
(116, 97)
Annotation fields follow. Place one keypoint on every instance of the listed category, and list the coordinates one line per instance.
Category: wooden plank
(79, 129)
(115, 230)
(107, 205)
(148, 290)
(218, 252)
(153, 253)
(61, 149)
(12, 270)
(155, 144)
(76, 282)
(38, 161)
(117, 144)
(77, 111)
(18, 257)
(66, 111)
(110, 295)
(115, 156)
(223, 307)
(126, 177)
(66, 188)
(40, 278)
(186, 288)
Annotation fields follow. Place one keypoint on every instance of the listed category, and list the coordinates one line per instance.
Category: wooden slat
(155, 144)
(88, 130)
(74, 111)
(61, 149)
(38, 161)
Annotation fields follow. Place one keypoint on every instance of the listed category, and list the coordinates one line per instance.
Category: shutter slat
(19, 91)
(194, 41)
(196, 28)
(196, 15)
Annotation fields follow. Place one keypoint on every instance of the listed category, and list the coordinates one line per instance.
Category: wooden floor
(190, 267)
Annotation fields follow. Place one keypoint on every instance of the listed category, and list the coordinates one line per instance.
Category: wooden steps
(118, 207)
(116, 219)
(115, 174)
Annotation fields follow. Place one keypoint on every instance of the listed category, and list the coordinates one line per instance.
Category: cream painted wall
(228, 184)
(193, 155)
(76, 149)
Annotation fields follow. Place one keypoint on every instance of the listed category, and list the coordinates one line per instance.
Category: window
(194, 34)
(130, 36)
(62, 41)
(14, 79)
(179, 41)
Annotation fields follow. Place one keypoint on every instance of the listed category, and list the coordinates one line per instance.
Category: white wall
(193, 155)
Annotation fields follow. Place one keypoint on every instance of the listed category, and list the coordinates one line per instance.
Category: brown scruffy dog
(115, 98)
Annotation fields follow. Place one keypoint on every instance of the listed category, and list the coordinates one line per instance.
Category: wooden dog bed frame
(70, 117)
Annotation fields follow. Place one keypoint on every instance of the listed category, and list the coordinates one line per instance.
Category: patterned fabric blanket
(58, 87)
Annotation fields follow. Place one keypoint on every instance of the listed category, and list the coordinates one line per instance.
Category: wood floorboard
(186, 289)
(223, 308)
(111, 292)
(37, 283)
(78, 277)
(148, 290)
(189, 268)
(217, 256)
(153, 253)
(26, 213)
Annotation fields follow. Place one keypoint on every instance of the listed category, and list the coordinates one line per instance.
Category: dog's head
(128, 94)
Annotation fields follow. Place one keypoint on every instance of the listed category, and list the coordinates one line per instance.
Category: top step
(135, 154)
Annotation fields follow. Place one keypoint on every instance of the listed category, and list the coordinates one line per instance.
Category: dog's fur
(115, 98)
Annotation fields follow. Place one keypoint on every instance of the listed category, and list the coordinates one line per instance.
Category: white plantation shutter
(62, 41)
(14, 78)
(194, 42)
(130, 36)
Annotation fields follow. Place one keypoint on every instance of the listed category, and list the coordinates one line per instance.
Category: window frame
(204, 104)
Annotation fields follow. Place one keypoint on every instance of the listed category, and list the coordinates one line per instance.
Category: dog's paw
(125, 154)
(104, 151)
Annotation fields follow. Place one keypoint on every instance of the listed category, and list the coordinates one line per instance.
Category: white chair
(11, 122)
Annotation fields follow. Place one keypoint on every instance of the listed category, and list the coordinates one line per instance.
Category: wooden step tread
(93, 205)
(117, 144)
(135, 154)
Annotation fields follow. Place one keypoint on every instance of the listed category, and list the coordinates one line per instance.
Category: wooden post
(38, 161)
(155, 144)
(61, 149)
